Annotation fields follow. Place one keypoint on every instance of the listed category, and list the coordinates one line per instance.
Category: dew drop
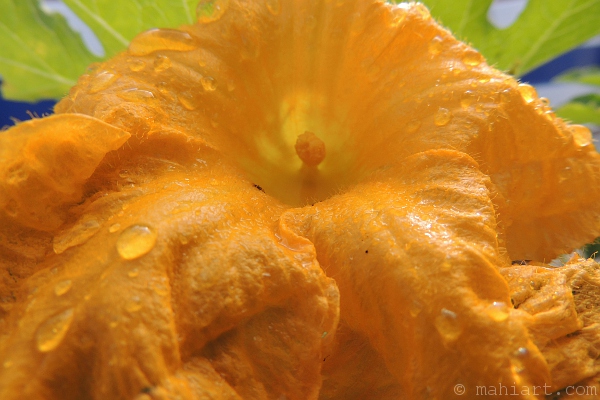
(102, 81)
(75, 236)
(413, 125)
(134, 305)
(505, 96)
(498, 311)
(136, 95)
(442, 117)
(136, 65)
(162, 63)
(211, 10)
(435, 46)
(208, 83)
(447, 325)
(114, 227)
(160, 289)
(135, 241)
(202, 62)
(274, 6)
(422, 11)
(527, 92)
(161, 39)
(187, 101)
(414, 309)
(472, 58)
(63, 287)
(467, 99)
(397, 19)
(51, 332)
(581, 135)
(133, 273)
(164, 90)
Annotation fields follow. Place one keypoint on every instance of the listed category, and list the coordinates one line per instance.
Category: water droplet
(114, 227)
(102, 81)
(274, 6)
(133, 273)
(63, 287)
(527, 92)
(522, 352)
(51, 332)
(160, 288)
(135, 241)
(435, 46)
(211, 10)
(208, 83)
(472, 58)
(187, 101)
(113, 324)
(202, 62)
(162, 63)
(163, 88)
(136, 95)
(505, 96)
(422, 11)
(134, 305)
(413, 125)
(467, 99)
(442, 116)
(136, 65)
(397, 18)
(447, 325)
(161, 39)
(414, 309)
(581, 135)
(498, 311)
(75, 236)
(401, 84)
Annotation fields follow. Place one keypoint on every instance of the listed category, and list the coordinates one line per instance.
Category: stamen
(310, 149)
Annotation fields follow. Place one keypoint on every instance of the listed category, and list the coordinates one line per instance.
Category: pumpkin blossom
(301, 200)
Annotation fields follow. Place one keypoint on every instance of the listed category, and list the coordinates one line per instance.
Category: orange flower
(182, 226)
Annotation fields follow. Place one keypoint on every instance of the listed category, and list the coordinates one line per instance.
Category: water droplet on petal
(134, 305)
(211, 10)
(397, 18)
(161, 39)
(435, 46)
(527, 92)
(208, 83)
(162, 63)
(447, 325)
(422, 11)
(505, 96)
(133, 273)
(442, 116)
(187, 101)
(467, 99)
(114, 227)
(75, 236)
(51, 332)
(413, 125)
(581, 135)
(136, 95)
(136, 65)
(102, 81)
(498, 311)
(63, 287)
(274, 6)
(472, 58)
(135, 241)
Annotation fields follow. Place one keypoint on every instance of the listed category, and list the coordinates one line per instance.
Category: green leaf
(582, 110)
(545, 29)
(41, 57)
(588, 76)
